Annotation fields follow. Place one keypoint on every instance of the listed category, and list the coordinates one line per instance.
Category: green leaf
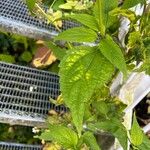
(123, 12)
(113, 53)
(60, 134)
(86, 20)
(145, 143)
(17, 39)
(90, 141)
(101, 107)
(30, 4)
(101, 12)
(134, 39)
(82, 71)
(145, 66)
(116, 128)
(69, 5)
(58, 52)
(136, 133)
(77, 34)
(26, 56)
(7, 58)
(57, 4)
(131, 3)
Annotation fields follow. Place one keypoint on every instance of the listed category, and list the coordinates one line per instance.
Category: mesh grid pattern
(26, 91)
(17, 11)
(13, 146)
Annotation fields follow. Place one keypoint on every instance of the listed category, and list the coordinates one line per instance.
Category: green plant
(15, 48)
(86, 73)
(18, 134)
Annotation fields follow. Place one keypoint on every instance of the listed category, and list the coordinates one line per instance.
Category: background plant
(16, 48)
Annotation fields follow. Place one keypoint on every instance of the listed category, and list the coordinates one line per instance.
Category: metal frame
(25, 94)
(15, 18)
(15, 146)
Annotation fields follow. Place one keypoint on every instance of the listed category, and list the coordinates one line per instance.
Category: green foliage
(26, 56)
(77, 34)
(78, 70)
(134, 39)
(131, 3)
(113, 53)
(7, 58)
(145, 66)
(115, 127)
(123, 12)
(101, 12)
(86, 71)
(90, 141)
(76, 5)
(19, 40)
(136, 133)
(116, 108)
(62, 135)
(57, 3)
(15, 48)
(101, 107)
(86, 20)
(99, 15)
(30, 4)
(58, 52)
(145, 145)
(18, 134)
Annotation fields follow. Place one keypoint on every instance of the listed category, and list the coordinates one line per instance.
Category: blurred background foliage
(20, 134)
(22, 50)
(16, 48)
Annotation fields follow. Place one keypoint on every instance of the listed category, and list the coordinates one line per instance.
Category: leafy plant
(17, 133)
(86, 72)
(15, 48)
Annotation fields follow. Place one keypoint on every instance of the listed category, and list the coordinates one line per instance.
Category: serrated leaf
(136, 133)
(77, 34)
(30, 4)
(101, 12)
(7, 58)
(90, 141)
(145, 144)
(81, 71)
(113, 53)
(131, 3)
(60, 134)
(58, 52)
(86, 20)
(115, 127)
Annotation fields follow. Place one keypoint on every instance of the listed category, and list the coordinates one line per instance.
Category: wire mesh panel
(15, 18)
(25, 94)
(14, 146)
